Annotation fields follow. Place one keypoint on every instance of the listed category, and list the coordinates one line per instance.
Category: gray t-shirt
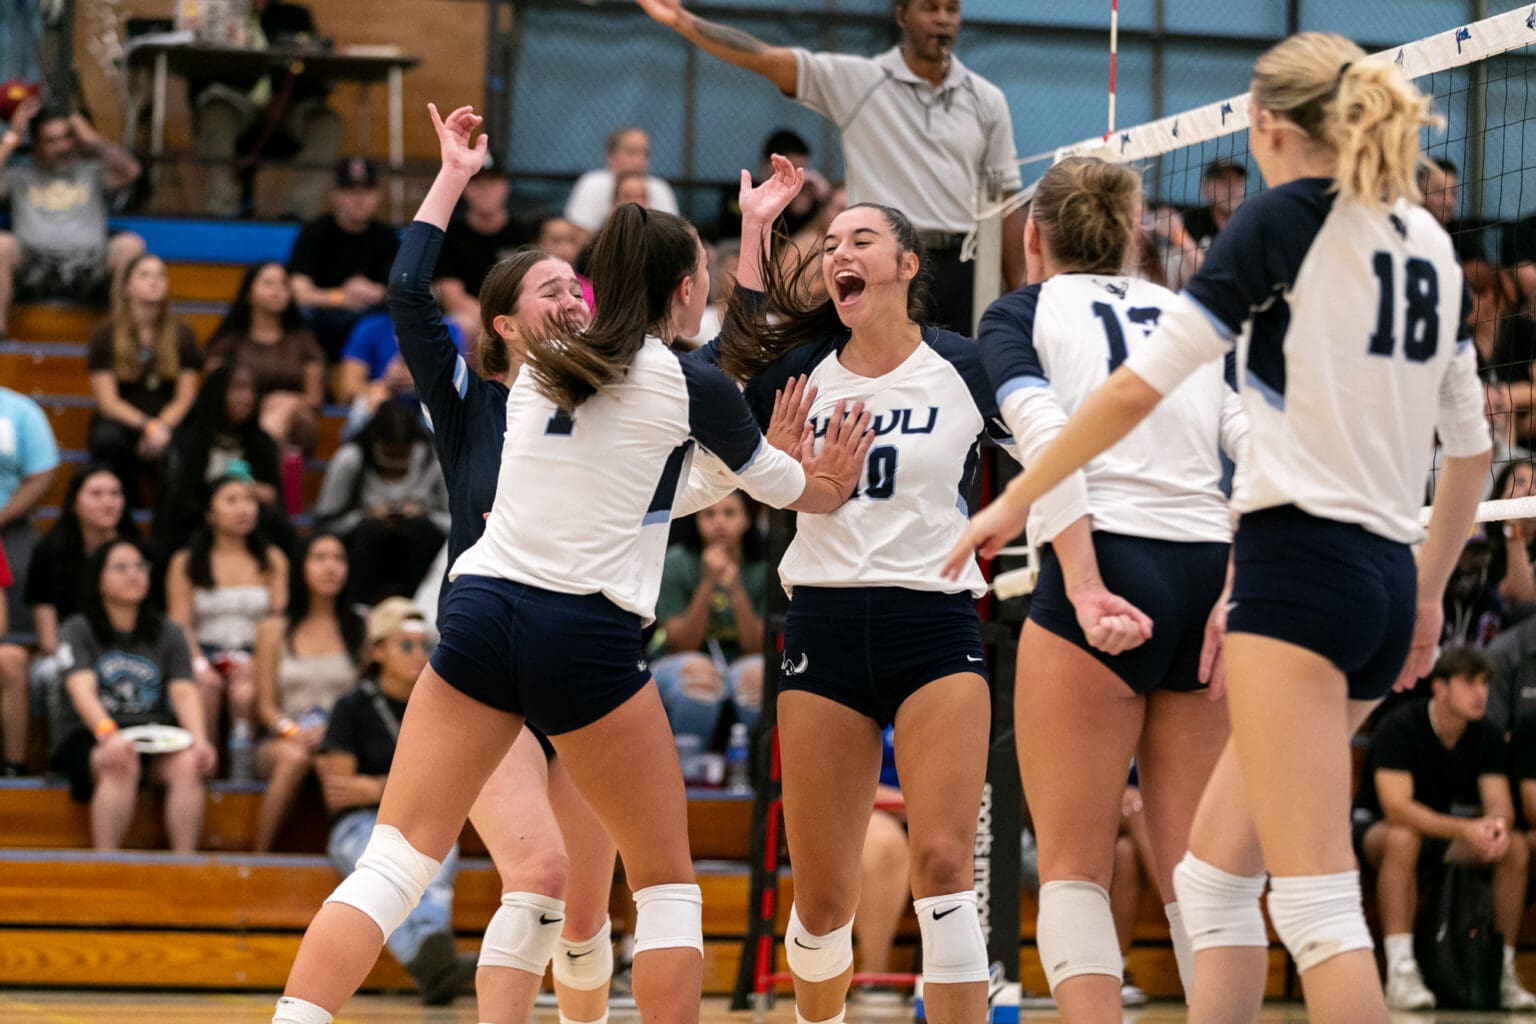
(133, 679)
(906, 144)
(62, 213)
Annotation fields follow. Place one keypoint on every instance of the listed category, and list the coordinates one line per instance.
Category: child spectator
(221, 435)
(265, 332)
(144, 367)
(125, 665)
(354, 762)
(710, 611)
(384, 492)
(1435, 790)
(218, 589)
(305, 659)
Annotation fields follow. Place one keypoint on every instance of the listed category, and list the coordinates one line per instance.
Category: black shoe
(438, 970)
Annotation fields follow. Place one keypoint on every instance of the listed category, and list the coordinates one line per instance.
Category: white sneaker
(1130, 994)
(1512, 994)
(1406, 989)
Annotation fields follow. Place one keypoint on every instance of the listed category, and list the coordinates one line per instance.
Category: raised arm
(775, 63)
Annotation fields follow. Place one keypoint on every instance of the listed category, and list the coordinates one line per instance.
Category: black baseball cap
(357, 172)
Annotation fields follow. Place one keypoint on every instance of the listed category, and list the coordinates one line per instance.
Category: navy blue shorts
(870, 648)
(1333, 588)
(562, 661)
(1176, 583)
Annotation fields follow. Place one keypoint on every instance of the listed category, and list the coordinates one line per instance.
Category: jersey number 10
(1421, 330)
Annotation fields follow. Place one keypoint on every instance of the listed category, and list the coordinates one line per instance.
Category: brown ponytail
(1363, 109)
(1086, 210)
(638, 260)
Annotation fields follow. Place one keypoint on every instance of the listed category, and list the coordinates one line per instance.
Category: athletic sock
(298, 1011)
(836, 1018)
(1509, 958)
(1399, 950)
(567, 1020)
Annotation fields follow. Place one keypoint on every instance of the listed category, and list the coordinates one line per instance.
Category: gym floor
(17, 1007)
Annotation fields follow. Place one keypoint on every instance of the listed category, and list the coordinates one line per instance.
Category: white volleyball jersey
(910, 507)
(1163, 480)
(583, 501)
(1351, 352)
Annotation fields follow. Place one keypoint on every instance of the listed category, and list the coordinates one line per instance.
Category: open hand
(791, 413)
(453, 137)
(989, 529)
(1424, 645)
(1213, 672)
(844, 447)
(764, 203)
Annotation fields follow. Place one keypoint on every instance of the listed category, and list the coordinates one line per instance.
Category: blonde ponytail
(1363, 109)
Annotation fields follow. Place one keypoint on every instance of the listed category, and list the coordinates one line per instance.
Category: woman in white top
(218, 589)
(543, 620)
(304, 660)
(1346, 306)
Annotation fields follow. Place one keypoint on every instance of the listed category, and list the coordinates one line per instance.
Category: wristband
(201, 664)
(104, 728)
(287, 728)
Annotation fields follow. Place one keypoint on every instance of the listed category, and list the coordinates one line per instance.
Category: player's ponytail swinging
(1362, 108)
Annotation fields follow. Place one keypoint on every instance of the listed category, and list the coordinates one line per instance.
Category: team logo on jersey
(1119, 291)
(789, 668)
(905, 421)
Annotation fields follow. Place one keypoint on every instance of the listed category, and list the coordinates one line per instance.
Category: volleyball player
(1346, 304)
(1160, 537)
(874, 634)
(544, 614)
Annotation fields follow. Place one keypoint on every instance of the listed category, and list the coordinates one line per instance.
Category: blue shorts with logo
(1175, 583)
(870, 648)
(562, 661)
(1333, 588)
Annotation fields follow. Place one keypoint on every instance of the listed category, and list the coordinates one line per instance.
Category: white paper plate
(157, 739)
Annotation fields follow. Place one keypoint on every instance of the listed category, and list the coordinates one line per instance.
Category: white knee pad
(389, 879)
(817, 957)
(669, 917)
(1318, 916)
(1183, 955)
(1220, 909)
(1075, 932)
(523, 932)
(954, 950)
(588, 964)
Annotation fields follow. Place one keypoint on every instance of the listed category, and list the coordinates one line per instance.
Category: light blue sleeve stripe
(460, 376)
(659, 516)
(1217, 323)
(1019, 384)
(748, 464)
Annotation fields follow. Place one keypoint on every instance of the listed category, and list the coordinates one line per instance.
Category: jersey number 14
(1421, 329)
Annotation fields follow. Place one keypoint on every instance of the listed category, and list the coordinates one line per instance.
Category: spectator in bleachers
(125, 665)
(371, 366)
(218, 589)
(29, 455)
(354, 762)
(885, 867)
(144, 365)
(710, 611)
(220, 435)
(1223, 186)
(1509, 566)
(58, 246)
(630, 187)
(384, 492)
(1435, 790)
(265, 331)
(1472, 603)
(94, 512)
(305, 660)
(340, 261)
(628, 150)
(473, 244)
(247, 117)
(1168, 253)
(13, 691)
(1439, 182)
(1512, 689)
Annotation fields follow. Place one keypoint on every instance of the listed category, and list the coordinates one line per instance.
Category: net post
(987, 282)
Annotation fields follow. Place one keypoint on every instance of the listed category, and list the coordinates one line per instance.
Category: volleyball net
(1196, 169)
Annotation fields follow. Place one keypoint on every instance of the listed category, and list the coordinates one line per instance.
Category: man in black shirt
(1223, 186)
(1434, 790)
(473, 244)
(355, 758)
(340, 261)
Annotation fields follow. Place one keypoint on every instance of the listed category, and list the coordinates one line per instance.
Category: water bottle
(242, 753)
(738, 760)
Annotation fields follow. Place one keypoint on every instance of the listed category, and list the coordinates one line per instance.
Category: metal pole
(1477, 124)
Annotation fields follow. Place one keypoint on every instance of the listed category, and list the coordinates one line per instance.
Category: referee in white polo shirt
(920, 130)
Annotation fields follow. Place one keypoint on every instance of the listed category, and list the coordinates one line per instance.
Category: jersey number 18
(1421, 329)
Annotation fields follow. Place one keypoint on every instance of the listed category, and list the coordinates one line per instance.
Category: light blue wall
(581, 71)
